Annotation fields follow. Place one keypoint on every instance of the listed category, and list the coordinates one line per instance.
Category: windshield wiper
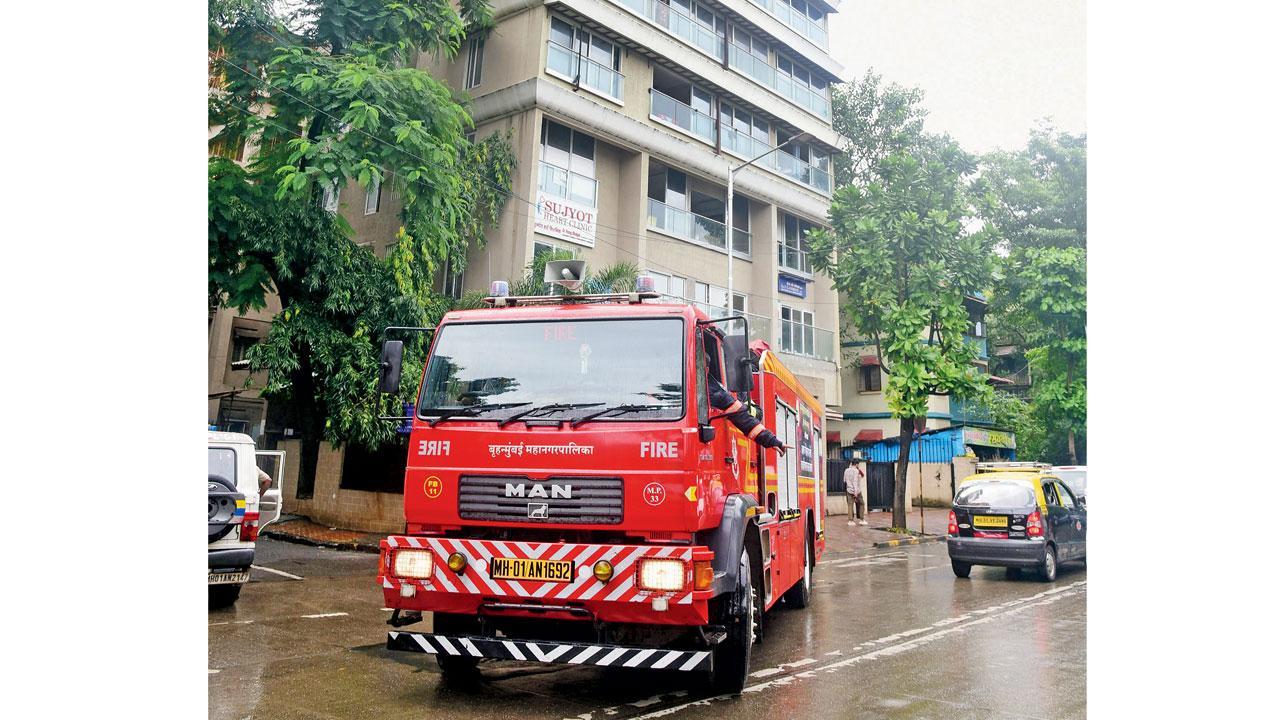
(473, 409)
(621, 409)
(544, 408)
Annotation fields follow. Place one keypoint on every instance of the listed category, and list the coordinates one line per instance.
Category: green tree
(1038, 212)
(899, 254)
(327, 93)
(876, 120)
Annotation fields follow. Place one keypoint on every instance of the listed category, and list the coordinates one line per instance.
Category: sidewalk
(849, 539)
(298, 529)
(841, 537)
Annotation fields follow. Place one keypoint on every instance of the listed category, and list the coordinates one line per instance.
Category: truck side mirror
(737, 361)
(389, 367)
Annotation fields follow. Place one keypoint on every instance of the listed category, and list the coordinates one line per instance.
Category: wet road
(892, 635)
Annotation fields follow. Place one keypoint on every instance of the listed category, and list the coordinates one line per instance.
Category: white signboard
(565, 219)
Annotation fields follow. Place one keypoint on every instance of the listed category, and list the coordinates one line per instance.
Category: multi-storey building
(626, 116)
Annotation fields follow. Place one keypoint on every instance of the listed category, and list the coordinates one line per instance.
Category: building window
(793, 248)
(372, 196)
(584, 59)
(670, 286)
(797, 331)
(541, 247)
(450, 281)
(742, 225)
(868, 378)
(568, 164)
(330, 196)
(676, 101)
(475, 62)
(240, 346)
(744, 135)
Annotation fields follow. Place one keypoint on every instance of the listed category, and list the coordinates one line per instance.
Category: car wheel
(732, 657)
(221, 596)
(799, 594)
(1049, 565)
(1012, 573)
(961, 569)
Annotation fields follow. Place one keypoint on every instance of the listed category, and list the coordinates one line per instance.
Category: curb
(357, 546)
(909, 541)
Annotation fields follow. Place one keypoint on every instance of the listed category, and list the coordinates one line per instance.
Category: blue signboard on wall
(791, 285)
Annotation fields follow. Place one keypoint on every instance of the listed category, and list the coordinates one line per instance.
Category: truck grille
(589, 501)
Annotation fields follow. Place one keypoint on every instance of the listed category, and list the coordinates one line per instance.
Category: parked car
(1076, 478)
(238, 509)
(1015, 515)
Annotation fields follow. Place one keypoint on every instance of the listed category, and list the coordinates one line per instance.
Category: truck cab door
(271, 502)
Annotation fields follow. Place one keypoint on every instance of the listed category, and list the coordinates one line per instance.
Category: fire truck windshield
(564, 364)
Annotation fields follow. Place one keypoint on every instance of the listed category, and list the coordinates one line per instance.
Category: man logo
(538, 511)
(537, 490)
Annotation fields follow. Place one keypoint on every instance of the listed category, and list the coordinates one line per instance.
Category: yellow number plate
(990, 521)
(521, 569)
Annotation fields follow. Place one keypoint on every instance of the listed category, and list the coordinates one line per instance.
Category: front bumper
(551, 652)
(475, 592)
(996, 551)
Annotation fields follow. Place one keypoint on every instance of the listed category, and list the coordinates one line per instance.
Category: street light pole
(728, 210)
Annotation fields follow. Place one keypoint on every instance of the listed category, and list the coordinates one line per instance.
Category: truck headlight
(413, 564)
(661, 574)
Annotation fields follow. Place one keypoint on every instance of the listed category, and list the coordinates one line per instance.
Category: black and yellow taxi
(1015, 515)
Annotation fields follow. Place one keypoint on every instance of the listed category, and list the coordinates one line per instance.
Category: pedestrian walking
(855, 486)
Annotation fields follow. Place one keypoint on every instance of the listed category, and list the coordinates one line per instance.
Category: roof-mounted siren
(566, 273)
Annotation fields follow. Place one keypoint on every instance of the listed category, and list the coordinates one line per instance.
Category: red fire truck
(571, 496)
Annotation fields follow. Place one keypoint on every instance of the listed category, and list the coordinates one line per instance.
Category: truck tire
(732, 657)
(222, 506)
(800, 593)
(221, 596)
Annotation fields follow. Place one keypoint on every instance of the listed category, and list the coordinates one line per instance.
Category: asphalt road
(892, 635)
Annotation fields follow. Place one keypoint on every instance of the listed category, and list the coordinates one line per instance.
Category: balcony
(804, 96)
(797, 169)
(807, 340)
(696, 228)
(801, 23)
(745, 146)
(794, 259)
(567, 185)
(583, 71)
(968, 412)
(675, 21)
(664, 108)
(753, 66)
(762, 72)
(980, 343)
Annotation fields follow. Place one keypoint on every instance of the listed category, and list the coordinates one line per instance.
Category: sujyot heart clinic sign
(565, 219)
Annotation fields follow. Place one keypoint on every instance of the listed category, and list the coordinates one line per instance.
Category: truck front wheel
(732, 657)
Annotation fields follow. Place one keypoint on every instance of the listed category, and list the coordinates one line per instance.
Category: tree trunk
(906, 426)
(311, 424)
(1071, 432)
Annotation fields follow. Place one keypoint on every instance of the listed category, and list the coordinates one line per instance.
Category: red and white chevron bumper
(474, 591)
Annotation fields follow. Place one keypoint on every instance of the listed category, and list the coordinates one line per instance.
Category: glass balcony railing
(745, 146)
(584, 71)
(754, 66)
(667, 109)
(680, 24)
(811, 175)
(695, 228)
(565, 184)
(794, 259)
(803, 95)
(797, 20)
(807, 340)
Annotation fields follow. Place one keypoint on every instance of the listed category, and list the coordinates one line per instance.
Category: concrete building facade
(626, 117)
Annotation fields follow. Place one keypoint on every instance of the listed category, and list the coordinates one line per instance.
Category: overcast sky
(989, 68)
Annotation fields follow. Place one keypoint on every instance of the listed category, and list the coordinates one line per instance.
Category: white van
(238, 509)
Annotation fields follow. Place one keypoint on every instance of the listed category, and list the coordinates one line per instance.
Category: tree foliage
(327, 91)
(876, 120)
(899, 254)
(1038, 212)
